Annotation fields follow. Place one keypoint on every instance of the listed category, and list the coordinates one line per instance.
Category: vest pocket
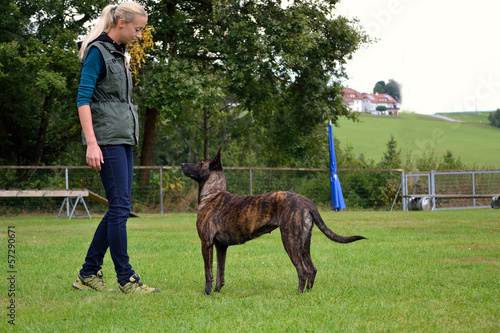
(115, 66)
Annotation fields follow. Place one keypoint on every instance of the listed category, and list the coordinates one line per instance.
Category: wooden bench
(67, 194)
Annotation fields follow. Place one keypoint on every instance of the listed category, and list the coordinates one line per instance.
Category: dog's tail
(330, 234)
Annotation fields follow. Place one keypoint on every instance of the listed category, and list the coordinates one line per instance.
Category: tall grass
(418, 272)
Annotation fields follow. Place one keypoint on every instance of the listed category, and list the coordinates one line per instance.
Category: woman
(110, 127)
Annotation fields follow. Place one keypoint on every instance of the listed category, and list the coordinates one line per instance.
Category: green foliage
(253, 76)
(392, 88)
(392, 156)
(429, 160)
(279, 66)
(379, 88)
(494, 118)
(39, 78)
(450, 162)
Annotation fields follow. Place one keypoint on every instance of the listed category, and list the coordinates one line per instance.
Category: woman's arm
(92, 69)
(94, 153)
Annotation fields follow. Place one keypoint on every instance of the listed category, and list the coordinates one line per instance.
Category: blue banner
(336, 190)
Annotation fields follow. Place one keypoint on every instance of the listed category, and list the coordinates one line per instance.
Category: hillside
(473, 141)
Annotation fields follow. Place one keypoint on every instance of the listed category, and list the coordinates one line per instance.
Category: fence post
(161, 191)
(251, 190)
(67, 187)
(473, 189)
(432, 191)
(404, 190)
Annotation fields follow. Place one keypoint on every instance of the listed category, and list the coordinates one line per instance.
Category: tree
(392, 88)
(386, 185)
(449, 162)
(379, 88)
(138, 52)
(280, 64)
(392, 156)
(494, 118)
(249, 75)
(39, 77)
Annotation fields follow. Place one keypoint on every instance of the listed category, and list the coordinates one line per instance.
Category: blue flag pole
(336, 190)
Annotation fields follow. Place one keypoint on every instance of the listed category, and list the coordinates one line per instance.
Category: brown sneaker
(137, 287)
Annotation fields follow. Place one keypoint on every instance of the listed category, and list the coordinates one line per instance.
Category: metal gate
(434, 190)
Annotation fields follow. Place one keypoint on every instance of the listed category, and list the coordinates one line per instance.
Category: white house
(361, 102)
(353, 99)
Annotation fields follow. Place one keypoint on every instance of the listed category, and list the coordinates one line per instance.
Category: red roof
(351, 94)
(380, 98)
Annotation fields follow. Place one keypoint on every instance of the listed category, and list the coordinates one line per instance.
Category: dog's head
(201, 171)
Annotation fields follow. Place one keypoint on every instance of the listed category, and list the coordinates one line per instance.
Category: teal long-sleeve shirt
(93, 70)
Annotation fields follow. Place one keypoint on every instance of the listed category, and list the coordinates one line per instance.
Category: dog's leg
(221, 266)
(308, 263)
(293, 247)
(208, 251)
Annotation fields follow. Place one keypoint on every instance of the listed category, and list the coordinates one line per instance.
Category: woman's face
(129, 32)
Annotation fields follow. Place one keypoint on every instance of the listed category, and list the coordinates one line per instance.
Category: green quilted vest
(114, 115)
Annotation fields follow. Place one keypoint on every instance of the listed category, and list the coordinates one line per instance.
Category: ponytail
(104, 24)
(109, 18)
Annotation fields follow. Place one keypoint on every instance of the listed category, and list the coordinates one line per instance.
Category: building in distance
(380, 104)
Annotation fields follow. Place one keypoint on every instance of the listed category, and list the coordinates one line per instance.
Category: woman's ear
(121, 23)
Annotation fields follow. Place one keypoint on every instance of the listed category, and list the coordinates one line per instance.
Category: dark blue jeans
(116, 176)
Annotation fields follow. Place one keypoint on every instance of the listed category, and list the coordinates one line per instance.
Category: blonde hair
(109, 18)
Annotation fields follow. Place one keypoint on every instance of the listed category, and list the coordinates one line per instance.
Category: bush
(494, 118)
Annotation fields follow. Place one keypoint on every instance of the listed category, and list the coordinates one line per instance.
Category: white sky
(444, 53)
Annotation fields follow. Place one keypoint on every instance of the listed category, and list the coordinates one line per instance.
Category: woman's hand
(94, 156)
(94, 153)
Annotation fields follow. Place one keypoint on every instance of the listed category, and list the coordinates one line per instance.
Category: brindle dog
(226, 219)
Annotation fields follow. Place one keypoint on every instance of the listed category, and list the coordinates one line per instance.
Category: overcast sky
(444, 53)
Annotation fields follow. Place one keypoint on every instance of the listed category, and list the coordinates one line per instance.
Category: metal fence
(166, 189)
(451, 189)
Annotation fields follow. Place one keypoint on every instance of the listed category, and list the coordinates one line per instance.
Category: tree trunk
(206, 134)
(42, 131)
(169, 39)
(147, 146)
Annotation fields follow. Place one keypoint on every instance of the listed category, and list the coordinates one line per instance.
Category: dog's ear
(216, 162)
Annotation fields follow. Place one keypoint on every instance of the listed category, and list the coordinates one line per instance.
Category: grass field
(475, 142)
(418, 272)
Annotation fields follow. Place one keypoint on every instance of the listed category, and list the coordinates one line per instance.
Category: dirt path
(447, 118)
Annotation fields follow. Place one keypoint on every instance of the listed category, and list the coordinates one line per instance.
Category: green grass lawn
(418, 272)
(475, 143)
